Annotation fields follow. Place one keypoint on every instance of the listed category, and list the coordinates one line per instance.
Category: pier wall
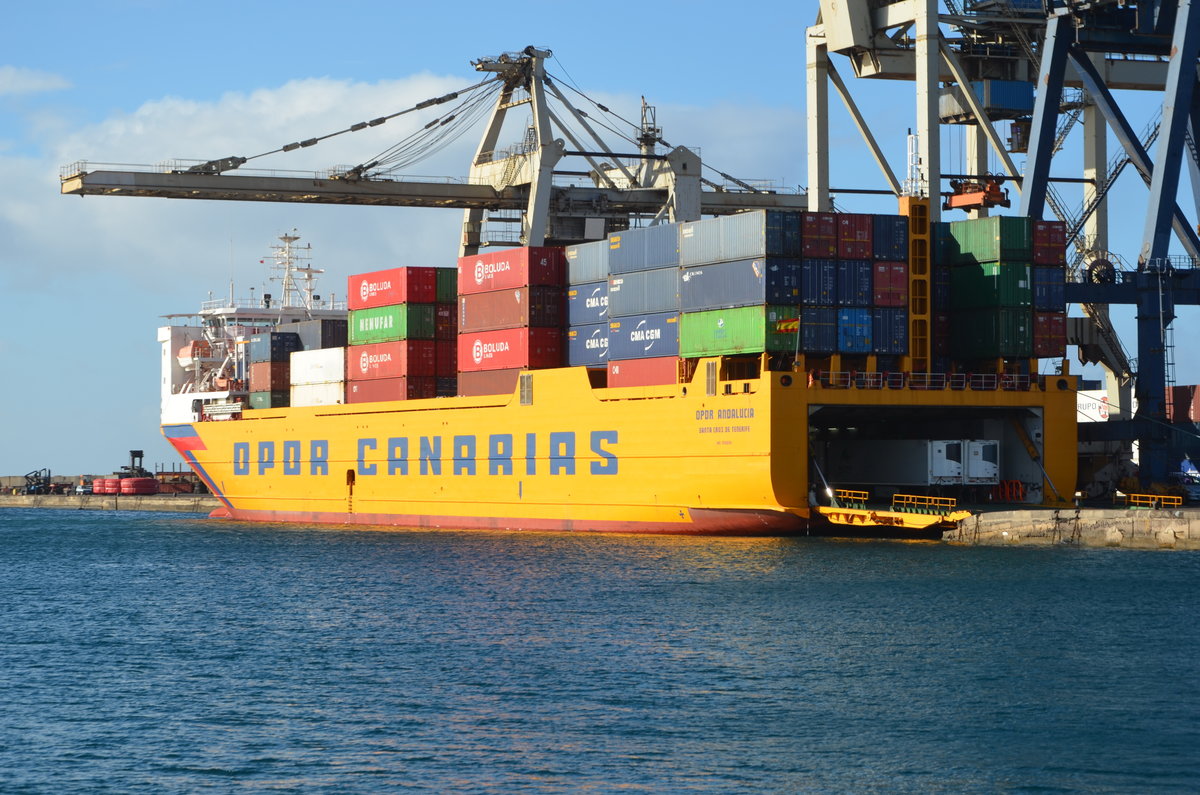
(174, 503)
(1136, 529)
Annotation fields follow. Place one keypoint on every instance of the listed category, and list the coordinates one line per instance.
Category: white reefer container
(329, 394)
(320, 366)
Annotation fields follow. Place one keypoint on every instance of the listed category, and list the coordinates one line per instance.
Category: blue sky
(84, 281)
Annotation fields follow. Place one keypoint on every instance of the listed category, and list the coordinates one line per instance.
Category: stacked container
(510, 317)
(392, 352)
(1049, 289)
(445, 333)
(991, 288)
(269, 373)
(643, 306)
(318, 377)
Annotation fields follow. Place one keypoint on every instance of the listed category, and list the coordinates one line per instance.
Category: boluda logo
(485, 270)
(481, 350)
(364, 290)
(371, 289)
(364, 362)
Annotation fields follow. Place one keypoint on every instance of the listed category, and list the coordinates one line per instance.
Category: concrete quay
(174, 503)
(1086, 527)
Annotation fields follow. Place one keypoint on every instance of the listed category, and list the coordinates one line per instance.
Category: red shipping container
(446, 358)
(890, 283)
(644, 372)
(1049, 334)
(270, 376)
(1179, 403)
(540, 305)
(1049, 255)
(390, 360)
(488, 382)
(818, 235)
(392, 286)
(1049, 243)
(513, 267)
(855, 234)
(402, 388)
(532, 348)
(445, 321)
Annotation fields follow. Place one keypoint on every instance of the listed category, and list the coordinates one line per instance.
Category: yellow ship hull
(725, 457)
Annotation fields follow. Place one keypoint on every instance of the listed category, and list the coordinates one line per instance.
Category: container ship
(762, 373)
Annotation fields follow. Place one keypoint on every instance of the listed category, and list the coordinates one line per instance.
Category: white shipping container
(328, 394)
(321, 366)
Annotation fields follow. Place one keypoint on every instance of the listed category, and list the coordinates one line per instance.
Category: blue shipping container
(587, 346)
(941, 288)
(587, 262)
(644, 336)
(761, 233)
(274, 346)
(747, 282)
(854, 330)
(643, 249)
(818, 329)
(643, 292)
(889, 330)
(890, 238)
(818, 282)
(854, 282)
(1049, 289)
(587, 303)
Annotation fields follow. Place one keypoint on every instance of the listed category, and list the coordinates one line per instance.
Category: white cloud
(19, 80)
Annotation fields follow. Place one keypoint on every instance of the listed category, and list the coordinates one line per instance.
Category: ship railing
(919, 503)
(851, 498)
(976, 382)
(836, 379)
(1148, 501)
(927, 381)
(1015, 382)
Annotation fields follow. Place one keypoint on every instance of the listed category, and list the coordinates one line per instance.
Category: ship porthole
(1062, 384)
(785, 380)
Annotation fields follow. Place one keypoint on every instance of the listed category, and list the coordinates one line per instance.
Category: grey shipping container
(643, 292)
(274, 346)
(587, 346)
(854, 282)
(889, 241)
(317, 334)
(747, 282)
(761, 233)
(889, 330)
(644, 336)
(587, 262)
(818, 329)
(643, 249)
(818, 282)
(587, 303)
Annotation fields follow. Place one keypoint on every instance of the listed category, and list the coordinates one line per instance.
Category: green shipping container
(991, 333)
(991, 285)
(997, 239)
(269, 400)
(390, 323)
(746, 329)
(447, 285)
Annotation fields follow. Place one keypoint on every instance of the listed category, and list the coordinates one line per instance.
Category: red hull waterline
(705, 522)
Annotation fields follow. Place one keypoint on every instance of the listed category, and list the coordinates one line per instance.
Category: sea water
(153, 653)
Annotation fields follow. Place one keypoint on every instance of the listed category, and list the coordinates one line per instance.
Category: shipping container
(502, 349)
(322, 333)
(889, 238)
(643, 249)
(1049, 335)
(318, 366)
(854, 330)
(818, 329)
(644, 337)
(273, 346)
(991, 285)
(1001, 99)
(991, 333)
(855, 234)
(889, 284)
(587, 262)
(587, 303)
(1049, 289)
(399, 388)
(818, 235)
(1049, 243)
(318, 394)
(447, 285)
(999, 238)
(270, 400)
(744, 329)
(388, 323)
(269, 376)
(940, 291)
(488, 382)
(747, 282)
(643, 292)
(854, 282)
(517, 307)
(446, 386)
(445, 321)
(396, 359)
(748, 235)
(940, 326)
(587, 346)
(416, 285)
(889, 330)
(818, 282)
(943, 246)
(509, 268)
(445, 358)
(913, 462)
(1181, 404)
(644, 372)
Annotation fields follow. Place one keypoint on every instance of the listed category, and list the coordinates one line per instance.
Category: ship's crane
(523, 187)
